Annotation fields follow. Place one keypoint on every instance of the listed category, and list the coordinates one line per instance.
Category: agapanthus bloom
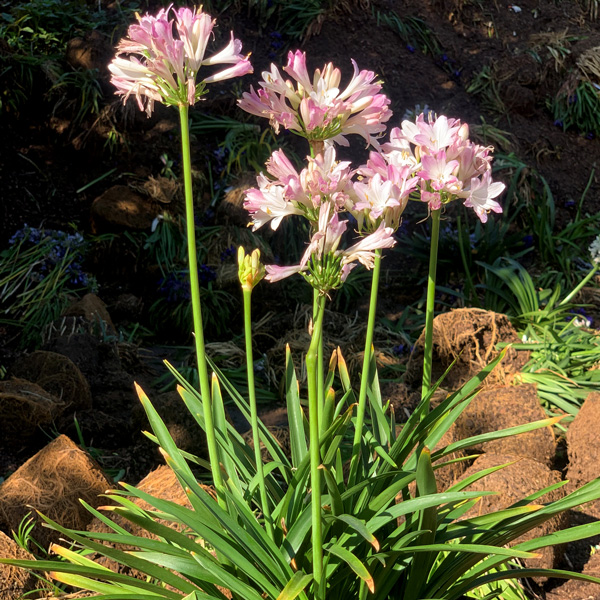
(288, 192)
(382, 196)
(448, 165)
(316, 108)
(165, 56)
(324, 265)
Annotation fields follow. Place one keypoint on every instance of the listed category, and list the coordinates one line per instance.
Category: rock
(94, 312)
(231, 208)
(127, 307)
(448, 475)
(500, 407)
(25, 406)
(52, 482)
(15, 582)
(584, 450)
(468, 335)
(120, 208)
(57, 375)
(182, 426)
(160, 483)
(512, 484)
(93, 51)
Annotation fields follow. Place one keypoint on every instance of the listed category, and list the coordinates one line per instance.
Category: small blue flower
(558, 123)
(227, 253)
(528, 241)
(410, 48)
(400, 349)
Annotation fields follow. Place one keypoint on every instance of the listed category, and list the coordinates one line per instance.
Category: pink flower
(480, 196)
(268, 203)
(432, 135)
(364, 250)
(324, 181)
(162, 67)
(440, 172)
(316, 107)
(446, 162)
(277, 273)
(323, 264)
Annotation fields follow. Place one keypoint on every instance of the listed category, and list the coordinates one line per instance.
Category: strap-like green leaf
(495, 435)
(120, 581)
(428, 517)
(414, 505)
(295, 586)
(359, 527)
(353, 562)
(299, 449)
(224, 447)
(337, 506)
(461, 588)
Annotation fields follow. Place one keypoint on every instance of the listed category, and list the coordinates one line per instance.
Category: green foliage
(23, 535)
(530, 195)
(421, 547)
(40, 272)
(296, 18)
(86, 89)
(293, 19)
(486, 85)
(245, 146)
(578, 108)
(412, 31)
(35, 34)
(172, 311)
(564, 350)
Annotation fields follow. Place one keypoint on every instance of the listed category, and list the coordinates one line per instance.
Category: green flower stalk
(203, 377)
(594, 251)
(250, 272)
(429, 310)
(364, 382)
(165, 54)
(315, 454)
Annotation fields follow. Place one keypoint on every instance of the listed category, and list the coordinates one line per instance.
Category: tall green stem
(364, 382)
(429, 311)
(315, 453)
(196, 307)
(577, 289)
(254, 412)
(320, 364)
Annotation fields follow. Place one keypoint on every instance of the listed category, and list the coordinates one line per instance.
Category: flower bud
(250, 269)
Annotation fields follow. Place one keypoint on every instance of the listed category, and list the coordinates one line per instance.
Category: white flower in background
(594, 250)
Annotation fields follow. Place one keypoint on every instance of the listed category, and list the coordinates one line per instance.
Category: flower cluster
(432, 157)
(317, 109)
(165, 56)
(320, 192)
(291, 193)
(436, 155)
